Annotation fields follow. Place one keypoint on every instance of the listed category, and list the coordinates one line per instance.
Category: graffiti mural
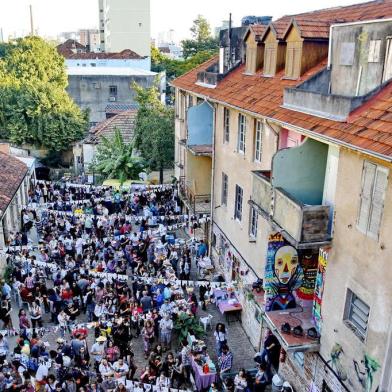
(336, 362)
(308, 262)
(360, 376)
(283, 275)
(319, 288)
(365, 371)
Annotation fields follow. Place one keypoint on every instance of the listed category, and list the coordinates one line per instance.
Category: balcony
(197, 203)
(303, 225)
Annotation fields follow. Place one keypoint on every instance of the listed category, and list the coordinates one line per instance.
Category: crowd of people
(104, 271)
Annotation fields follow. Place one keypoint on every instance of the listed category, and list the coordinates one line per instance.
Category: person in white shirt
(105, 368)
(120, 370)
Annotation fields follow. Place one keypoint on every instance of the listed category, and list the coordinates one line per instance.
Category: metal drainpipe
(212, 181)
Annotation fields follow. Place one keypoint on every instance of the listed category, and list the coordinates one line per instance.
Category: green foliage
(115, 159)
(34, 106)
(201, 30)
(186, 323)
(154, 130)
(176, 68)
(202, 40)
(196, 51)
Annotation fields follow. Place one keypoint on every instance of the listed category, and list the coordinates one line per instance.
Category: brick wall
(311, 376)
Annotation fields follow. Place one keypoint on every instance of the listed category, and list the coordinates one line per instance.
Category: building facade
(94, 88)
(125, 24)
(14, 189)
(301, 190)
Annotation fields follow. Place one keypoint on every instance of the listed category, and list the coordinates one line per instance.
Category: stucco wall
(238, 167)
(198, 174)
(361, 264)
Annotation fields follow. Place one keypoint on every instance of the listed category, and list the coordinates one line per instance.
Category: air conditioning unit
(112, 99)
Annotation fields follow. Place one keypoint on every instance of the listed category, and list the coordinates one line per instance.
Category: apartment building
(125, 24)
(300, 159)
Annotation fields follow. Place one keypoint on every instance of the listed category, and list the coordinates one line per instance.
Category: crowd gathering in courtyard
(105, 270)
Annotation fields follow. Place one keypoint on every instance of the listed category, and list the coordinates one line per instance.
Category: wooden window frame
(259, 126)
(224, 189)
(226, 125)
(238, 202)
(242, 124)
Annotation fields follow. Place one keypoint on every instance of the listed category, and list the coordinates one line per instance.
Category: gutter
(306, 132)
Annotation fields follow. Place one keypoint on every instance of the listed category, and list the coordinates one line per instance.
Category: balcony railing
(303, 224)
(197, 203)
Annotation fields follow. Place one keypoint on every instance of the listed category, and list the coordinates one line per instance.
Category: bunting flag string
(141, 187)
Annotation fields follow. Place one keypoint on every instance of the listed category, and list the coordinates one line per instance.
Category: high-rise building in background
(125, 24)
(90, 38)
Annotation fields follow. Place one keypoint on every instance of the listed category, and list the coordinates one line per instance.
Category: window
(258, 140)
(293, 60)
(251, 58)
(374, 183)
(113, 91)
(253, 223)
(189, 101)
(225, 188)
(374, 51)
(241, 133)
(347, 50)
(356, 314)
(239, 195)
(270, 57)
(226, 125)
(388, 61)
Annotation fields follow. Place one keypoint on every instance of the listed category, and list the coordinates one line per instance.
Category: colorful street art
(366, 375)
(336, 362)
(319, 288)
(308, 261)
(283, 274)
(360, 377)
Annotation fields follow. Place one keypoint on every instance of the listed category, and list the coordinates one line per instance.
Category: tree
(115, 159)
(154, 130)
(201, 30)
(202, 40)
(35, 106)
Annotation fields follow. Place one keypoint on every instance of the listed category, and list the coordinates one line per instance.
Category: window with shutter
(239, 195)
(258, 140)
(241, 133)
(374, 184)
(388, 61)
(356, 314)
(374, 51)
(270, 60)
(225, 188)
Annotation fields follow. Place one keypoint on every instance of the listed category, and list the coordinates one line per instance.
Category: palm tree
(115, 159)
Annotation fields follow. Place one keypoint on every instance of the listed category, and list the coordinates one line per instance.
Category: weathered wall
(345, 78)
(92, 92)
(361, 264)
(300, 171)
(228, 160)
(198, 174)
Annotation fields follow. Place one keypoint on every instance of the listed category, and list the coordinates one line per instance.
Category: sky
(55, 16)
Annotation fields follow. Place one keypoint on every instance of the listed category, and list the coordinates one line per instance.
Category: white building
(125, 24)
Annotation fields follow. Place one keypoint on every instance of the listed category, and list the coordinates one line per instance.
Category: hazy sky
(54, 16)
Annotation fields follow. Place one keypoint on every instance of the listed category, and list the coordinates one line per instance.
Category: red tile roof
(258, 31)
(124, 121)
(68, 48)
(378, 9)
(12, 174)
(368, 128)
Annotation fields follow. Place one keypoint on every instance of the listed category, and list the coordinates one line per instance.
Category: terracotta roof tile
(12, 173)
(124, 121)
